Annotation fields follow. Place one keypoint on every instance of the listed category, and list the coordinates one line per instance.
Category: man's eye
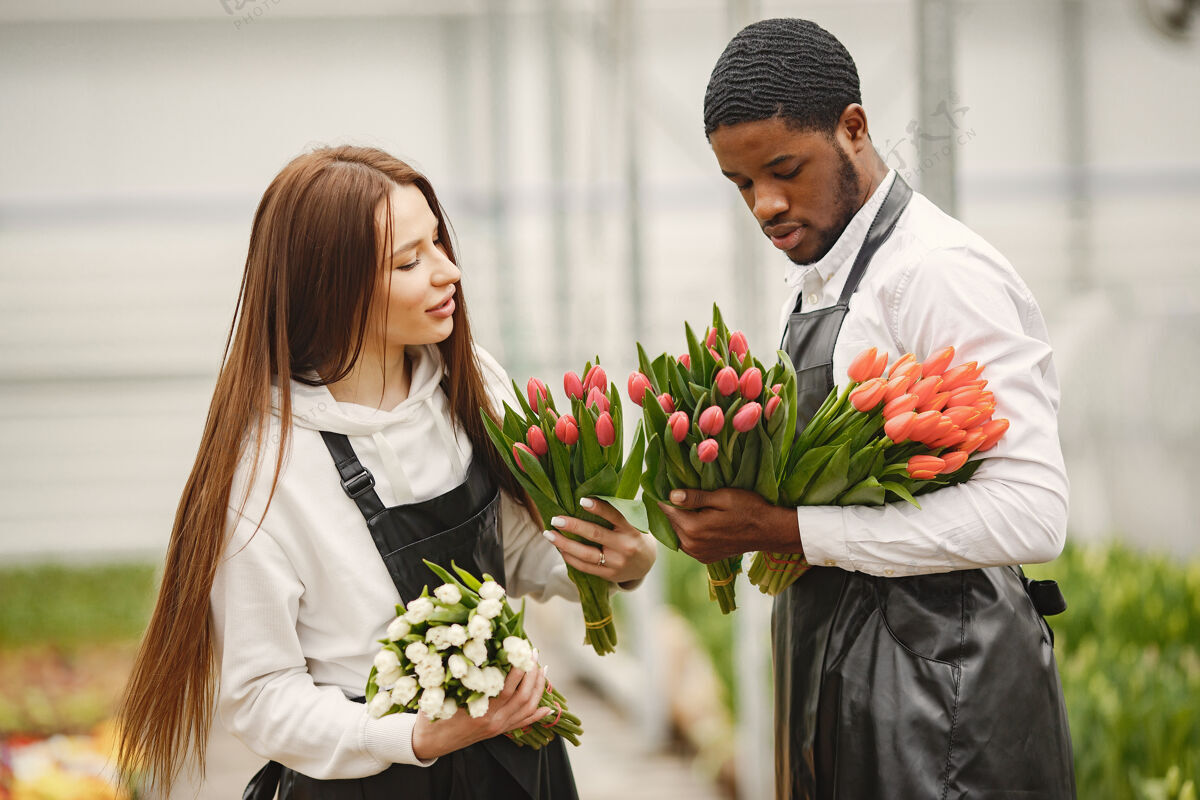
(744, 186)
(791, 174)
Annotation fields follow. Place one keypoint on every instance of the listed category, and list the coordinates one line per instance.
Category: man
(910, 661)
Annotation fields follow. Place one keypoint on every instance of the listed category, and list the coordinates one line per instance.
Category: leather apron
(931, 686)
(462, 526)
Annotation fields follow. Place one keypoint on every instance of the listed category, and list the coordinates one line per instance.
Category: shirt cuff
(823, 537)
(389, 739)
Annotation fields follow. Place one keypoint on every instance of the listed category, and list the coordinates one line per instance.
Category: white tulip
(404, 690)
(479, 627)
(473, 680)
(386, 679)
(493, 680)
(417, 651)
(431, 702)
(438, 637)
(449, 708)
(520, 653)
(419, 610)
(380, 704)
(457, 665)
(448, 593)
(398, 629)
(490, 590)
(477, 705)
(476, 651)
(456, 635)
(386, 660)
(431, 674)
(489, 609)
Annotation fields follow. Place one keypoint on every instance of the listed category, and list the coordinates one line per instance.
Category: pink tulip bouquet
(714, 417)
(561, 459)
(889, 434)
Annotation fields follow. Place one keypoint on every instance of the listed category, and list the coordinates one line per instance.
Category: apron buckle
(358, 485)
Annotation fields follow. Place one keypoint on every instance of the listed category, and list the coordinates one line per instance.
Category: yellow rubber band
(598, 624)
(723, 581)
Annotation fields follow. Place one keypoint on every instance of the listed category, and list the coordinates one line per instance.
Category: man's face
(800, 185)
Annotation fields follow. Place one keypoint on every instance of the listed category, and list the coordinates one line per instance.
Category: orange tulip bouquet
(561, 459)
(714, 417)
(889, 434)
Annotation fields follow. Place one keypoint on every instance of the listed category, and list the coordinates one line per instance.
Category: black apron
(932, 686)
(462, 526)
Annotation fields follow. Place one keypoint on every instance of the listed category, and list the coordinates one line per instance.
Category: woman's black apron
(933, 686)
(462, 526)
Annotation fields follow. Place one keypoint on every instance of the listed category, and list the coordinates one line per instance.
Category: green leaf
(796, 483)
(750, 464)
(645, 366)
(634, 511)
(660, 526)
(603, 482)
(560, 467)
(832, 480)
(631, 474)
(445, 576)
(710, 476)
(653, 414)
(767, 484)
(467, 578)
(867, 492)
(901, 492)
(521, 399)
(593, 455)
(535, 472)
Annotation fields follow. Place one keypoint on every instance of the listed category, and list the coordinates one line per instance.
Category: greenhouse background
(565, 140)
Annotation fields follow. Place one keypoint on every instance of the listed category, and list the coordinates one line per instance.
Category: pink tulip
(518, 448)
(712, 420)
(772, 405)
(596, 378)
(573, 386)
(747, 417)
(738, 344)
(537, 392)
(899, 427)
(537, 440)
(937, 363)
(726, 381)
(666, 402)
(777, 388)
(679, 424)
(686, 360)
(567, 429)
(638, 385)
(597, 398)
(868, 394)
(606, 434)
(716, 356)
(707, 451)
(710, 337)
(751, 383)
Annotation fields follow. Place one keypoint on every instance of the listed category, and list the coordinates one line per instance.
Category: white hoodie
(299, 604)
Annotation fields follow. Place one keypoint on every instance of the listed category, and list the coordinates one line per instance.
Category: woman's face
(419, 279)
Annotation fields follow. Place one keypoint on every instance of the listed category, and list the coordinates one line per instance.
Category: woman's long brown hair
(311, 273)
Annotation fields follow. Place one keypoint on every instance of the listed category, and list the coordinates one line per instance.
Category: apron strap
(357, 480)
(881, 228)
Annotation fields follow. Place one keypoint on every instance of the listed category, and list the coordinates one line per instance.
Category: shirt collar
(849, 243)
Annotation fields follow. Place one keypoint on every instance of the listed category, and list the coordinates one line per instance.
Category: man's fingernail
(678, 496)
(549, 536)
(587, 502)
(557, 522)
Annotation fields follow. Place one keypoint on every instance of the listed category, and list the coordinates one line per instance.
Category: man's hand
(724, 523)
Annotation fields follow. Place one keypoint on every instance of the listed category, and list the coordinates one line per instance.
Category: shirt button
(889, 572)
(812, 299)
(829, 562)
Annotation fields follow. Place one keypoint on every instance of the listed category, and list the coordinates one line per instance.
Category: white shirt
(935, 283)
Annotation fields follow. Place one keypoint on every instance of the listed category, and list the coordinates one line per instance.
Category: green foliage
(687, 590)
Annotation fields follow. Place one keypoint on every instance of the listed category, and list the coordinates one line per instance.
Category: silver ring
(601, 562)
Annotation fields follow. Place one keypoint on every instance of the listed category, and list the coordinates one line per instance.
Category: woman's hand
(624, 553)
(515, 707)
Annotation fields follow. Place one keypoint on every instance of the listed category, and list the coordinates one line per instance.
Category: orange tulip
(956, 377)
(964, 396)
(896, 387)
(972, 442)
(913, 370)
(902, 361)
(950, 439)
(994, 430)
(935, 403)
(954, 461)
(980, 384)
(862, 368)
(963, 416)
(902, 404)
(925, 389)
(925, 424)
(923, 468)
(900, 426)
(868, 394)
(937, 363)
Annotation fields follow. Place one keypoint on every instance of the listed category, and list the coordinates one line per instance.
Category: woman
(343, 445)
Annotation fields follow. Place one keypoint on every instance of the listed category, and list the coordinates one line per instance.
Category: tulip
(597, 398)
(980, 384)
(518, 448)
(638, 384)
(573, 386)
(567, 429)
(963, 396)
(937, 363)
(900, 426)
(751, 383)
(606, 433)
(955, 377)
(726, 381)
(772, 405)
(686, 360)
(679, 424)
(777, 388)
(712, 420)
(903, 403)
(987, 397)
(537, 392)
(924, 425)
(901, 362)
(747, 417)
(897, 386)
(924, 468)
(963, 416)
(994, 430)
(955, 436)
(925, 389)
(738, 344)
(985, 412)
(710, 337)
(954, 461)
(862, 368)
(936, 403)
(868, 394)
(707, 451)
(537, 440)
(596, 378)
(716, 356)
(666, 402)
(973, 441)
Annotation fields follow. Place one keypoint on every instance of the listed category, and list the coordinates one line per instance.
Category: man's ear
(852, 128)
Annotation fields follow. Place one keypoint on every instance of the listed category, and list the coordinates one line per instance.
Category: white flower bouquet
(454, 650)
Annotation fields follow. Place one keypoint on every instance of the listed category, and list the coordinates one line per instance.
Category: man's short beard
(846, 205)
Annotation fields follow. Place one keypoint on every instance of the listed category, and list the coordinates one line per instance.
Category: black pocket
(924, 614)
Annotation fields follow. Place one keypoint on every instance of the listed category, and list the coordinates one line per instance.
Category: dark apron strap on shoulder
(881, 229)
(357, 480)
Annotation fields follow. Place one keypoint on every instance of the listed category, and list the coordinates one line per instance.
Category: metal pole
(498, 102)
(933, 131)
(561, 267)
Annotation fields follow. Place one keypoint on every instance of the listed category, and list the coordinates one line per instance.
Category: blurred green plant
(687, 591)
